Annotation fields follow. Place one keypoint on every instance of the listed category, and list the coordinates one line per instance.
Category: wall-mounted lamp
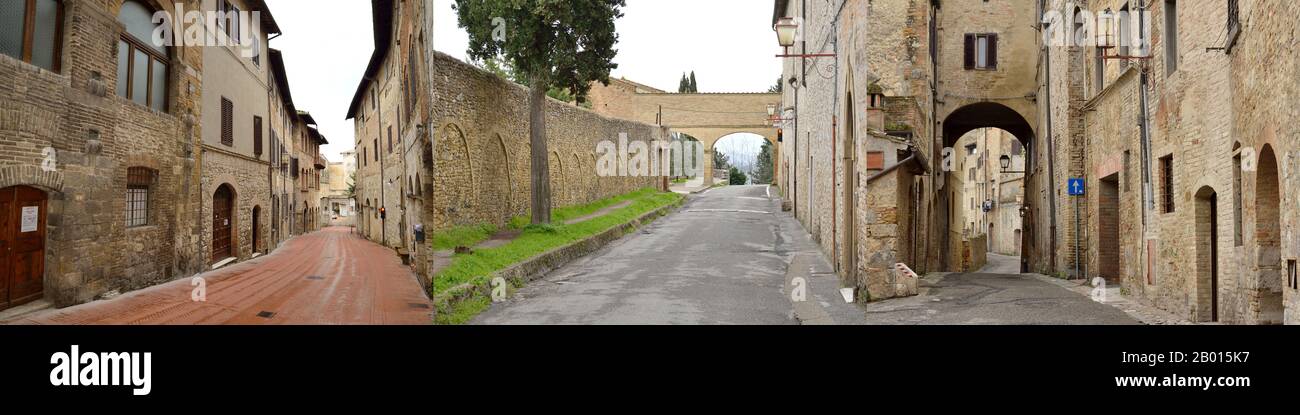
(787, 29)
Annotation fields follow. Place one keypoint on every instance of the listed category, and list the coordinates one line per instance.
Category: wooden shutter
(970, 52)
(227, 122)
(257, 136)
(993, 51)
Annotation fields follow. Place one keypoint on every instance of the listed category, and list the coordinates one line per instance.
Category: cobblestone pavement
(326, 277)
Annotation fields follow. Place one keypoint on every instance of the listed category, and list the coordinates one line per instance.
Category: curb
(535, 268)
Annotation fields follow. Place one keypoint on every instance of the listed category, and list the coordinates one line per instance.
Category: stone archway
(710, 136)
(1268, 239)
(956, 125)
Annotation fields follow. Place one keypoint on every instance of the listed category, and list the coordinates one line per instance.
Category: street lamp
(1005, 160)
(787, 29)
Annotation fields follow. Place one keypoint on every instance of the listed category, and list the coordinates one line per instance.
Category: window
(227, 122)
(390, 139)
(376, 149)
(138, 180)
(1099, 72)
(141, 65)
(1171, 36)
(32, 31)
(232, 19)
(365, 158)
(257, 136)
(1167, 183)
(257, 53)
(981, 51)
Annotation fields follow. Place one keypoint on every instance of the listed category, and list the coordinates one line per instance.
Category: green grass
(466, 236)
(464, 311)
(477, 267)
(562, 215)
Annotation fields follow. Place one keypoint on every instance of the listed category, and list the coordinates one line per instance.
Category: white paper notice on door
(31, 218)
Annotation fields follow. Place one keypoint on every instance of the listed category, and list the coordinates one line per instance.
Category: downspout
(1051, 155)
(803, 79)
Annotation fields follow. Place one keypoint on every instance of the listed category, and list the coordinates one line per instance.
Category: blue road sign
(1076, 187)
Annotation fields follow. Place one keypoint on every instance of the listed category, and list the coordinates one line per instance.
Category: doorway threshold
(223, 263)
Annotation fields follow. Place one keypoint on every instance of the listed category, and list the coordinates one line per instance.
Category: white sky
(728, 43)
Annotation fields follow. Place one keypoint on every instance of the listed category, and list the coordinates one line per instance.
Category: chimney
(875, 108)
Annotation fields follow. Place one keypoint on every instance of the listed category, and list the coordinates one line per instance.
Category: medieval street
(327, 277)
(785, 162)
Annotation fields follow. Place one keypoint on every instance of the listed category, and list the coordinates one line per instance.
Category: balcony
(320, 163)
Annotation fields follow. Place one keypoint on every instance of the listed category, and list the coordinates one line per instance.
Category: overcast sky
(728, 43)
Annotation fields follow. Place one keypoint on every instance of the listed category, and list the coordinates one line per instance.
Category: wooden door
(222, 207)
(257, 211)
(22, 245)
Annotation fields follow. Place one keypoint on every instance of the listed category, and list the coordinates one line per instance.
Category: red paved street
(327, 277)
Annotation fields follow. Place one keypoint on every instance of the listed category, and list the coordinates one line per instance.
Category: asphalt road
(718, 260)
(994, 296)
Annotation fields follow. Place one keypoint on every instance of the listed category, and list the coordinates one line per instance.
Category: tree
(551, 44)
(720, 160)
(352, 186)
(735, 177)
(776, 88)
(695, 86)
(763, 173)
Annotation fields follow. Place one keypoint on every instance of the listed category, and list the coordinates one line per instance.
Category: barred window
(137, 196)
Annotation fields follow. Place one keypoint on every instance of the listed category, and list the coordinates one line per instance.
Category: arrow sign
(1076, 187)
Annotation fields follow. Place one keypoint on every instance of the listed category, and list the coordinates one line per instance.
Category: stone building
(110, 167)
(236, 90)
(283, 123)
(336, 179)
(441, 143)
(1184, 207)
(991, 196)
(871, 129)
(98, 169)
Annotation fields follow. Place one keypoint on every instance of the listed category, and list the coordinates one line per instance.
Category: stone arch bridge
(708, 117)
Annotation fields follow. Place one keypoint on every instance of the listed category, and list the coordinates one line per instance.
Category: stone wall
(481, 164)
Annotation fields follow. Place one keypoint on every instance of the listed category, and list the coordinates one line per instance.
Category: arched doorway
(1268, 239)
(257, 230)
(1207, 255)
(986, 163)
(22, 245)
(223, 206)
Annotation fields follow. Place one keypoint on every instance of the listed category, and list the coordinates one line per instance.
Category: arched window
(141, 64)
(32, 31)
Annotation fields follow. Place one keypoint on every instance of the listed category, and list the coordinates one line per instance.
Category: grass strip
(477, 267)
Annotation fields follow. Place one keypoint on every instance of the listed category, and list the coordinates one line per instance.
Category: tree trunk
(541, 169)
